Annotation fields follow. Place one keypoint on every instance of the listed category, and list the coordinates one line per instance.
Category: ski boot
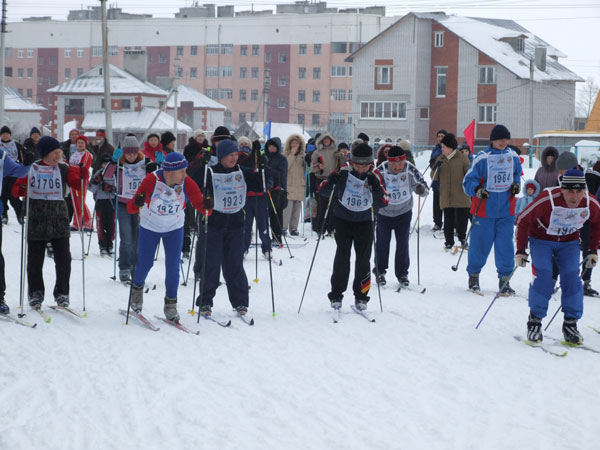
(361, 305)
(170, 309)
(103, 251)
(62, 300)
(474, 282)
(205, 310)
(49, 250)
(124, 275)
(380, 279)
(4, 309)
(436, 228)
(570, 332)
(506, 290)
(137, 298)
(588, 290)
(534, 329)
(448, 247)
(185, 254)
(403, 281)
(5, 218)
(242, 310)
(336, 304)
(36, 299)
(294, 233)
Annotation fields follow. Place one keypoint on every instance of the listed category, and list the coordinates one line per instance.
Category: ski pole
(24, 235)
(455, 267)
(375, 248)
(316, 247)
(560, 306)
(87, 252)
(116, 225)
(82, 245)
(255, 239)
(419, 242)
(192, 247)
(270, 249)
(279, 223)
(422, 205)
(496, 296)
(205, 244)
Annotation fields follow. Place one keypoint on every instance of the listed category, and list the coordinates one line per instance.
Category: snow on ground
(421, 377)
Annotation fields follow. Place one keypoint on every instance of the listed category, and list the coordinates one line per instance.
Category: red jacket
(534, 219)
(150, 152)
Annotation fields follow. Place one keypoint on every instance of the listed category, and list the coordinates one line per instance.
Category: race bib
(45, 183)
(565, 221)
(132, 174)
(356, 194)
(166, 210)
(397, 186)
(229, 190)
(499, 172)
(11, 149)
(76, 158)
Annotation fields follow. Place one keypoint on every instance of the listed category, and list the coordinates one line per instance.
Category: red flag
(469, 134)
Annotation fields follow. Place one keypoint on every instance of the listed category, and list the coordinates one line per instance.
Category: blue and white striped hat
(174, 161)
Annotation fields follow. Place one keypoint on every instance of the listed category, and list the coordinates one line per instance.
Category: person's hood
(319, 142)
(535, 183)
(549, 151)
(273, 141)
(288, 141)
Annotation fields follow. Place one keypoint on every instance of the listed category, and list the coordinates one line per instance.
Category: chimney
(540, 58)
(136, 63)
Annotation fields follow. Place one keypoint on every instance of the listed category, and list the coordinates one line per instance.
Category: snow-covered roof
(567, 133)
(121, 82)
(133, 121)
(281, 130)
(13, 101)
(189, 94)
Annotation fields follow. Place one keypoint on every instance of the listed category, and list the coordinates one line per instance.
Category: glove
(108, 188)
(208, 203)
(372, 180)
(139, 199)
(591, 260)
(420, 189)
(284, 200)
(160, 158)
(116, 156)
(515, 188)
(521, 258)
(482, 193)
(437, 165)
(97, 179)
(334, 177)
(206, 157)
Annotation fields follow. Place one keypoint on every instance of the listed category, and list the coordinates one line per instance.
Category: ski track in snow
(421, 377)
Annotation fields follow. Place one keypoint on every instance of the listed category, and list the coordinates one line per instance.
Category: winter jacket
(99, 152)
(450, 177)
(254, 180)
(14, 151)
(435, 154)
(278, 164)
(296, 175)
(192, 150)
(499, 204)
(547, 175)
(414, 178)
(331, 157)
(150, 152)
(592, 178)
(524, 201)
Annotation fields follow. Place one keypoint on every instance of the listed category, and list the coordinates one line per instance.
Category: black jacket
(252, 163)
(192, 150)
(277, 164)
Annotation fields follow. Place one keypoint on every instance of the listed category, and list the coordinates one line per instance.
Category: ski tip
(251, 321)
(191, 312)
(228, 323)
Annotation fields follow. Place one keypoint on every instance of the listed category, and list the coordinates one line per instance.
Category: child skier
(81, 158)
(532, 190)
(162, 196)
(355, 192)
(104, 195)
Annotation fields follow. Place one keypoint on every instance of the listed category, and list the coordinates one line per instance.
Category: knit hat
(450, 141)
(363, 136)
(174, 161)
(499, 132)
(131, 146)
(46, 145)
(153, 135)
(101, 133)
(5, 129)
(566, 161)
(198, 133)
(465, 147)
(396, 154)
(225, 148)
(362, 154)
(342, 145)
(530, 185)
(34, 130)
(442, 131)
(573, 179)
(166, 138)
(245, 144)
(404, 145)
(81, 137)
(221, 133)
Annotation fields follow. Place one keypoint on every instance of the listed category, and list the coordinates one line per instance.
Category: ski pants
(76, 198)
(16, 202)
(189, 226)
(2, 274)
(36, 254)
(584, 235)
(291, 215)
(256, 210)
(566, 255)
(437, 211)
(105, 223)
(147, 243)
(225, 249)
(276, 212)
(128, 225)
(346, 234)
(486, 232)
(400, 225)
(455, 219)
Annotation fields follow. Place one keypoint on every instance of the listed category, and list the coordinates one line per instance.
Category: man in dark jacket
(100, 148)
(435, 185)
(278, 193)
(168, 140)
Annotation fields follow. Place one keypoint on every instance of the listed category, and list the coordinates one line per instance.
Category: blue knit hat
(499, 132)
(46, 145)
(174, 161)
(225, 148)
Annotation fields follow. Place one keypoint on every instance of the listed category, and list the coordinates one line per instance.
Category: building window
(227, 118)
(113, 50)
(193, 72)
(282, 80)
(267, 57)
(316, 73)
(226, 49)
(339, 47)
(67, 73)
(212, 71)
(254, 95)
(8, 71)
(338, 94)
(424, 113)
(337, 118)
(20, 73)
(126, 104)
(253, 117)
(383, 110)
(30, 73)
(281, 103)
(74, 107)
(302, 49)
(243, 95)
(212, 49)
(40, 80)
(487, 113)
(438, 39)
(194, 50)
(255, 72)
(29, 92)
(243, 72)
(440, 90)
(180, 50)
(302, 96)
(301, 118)
(96, 51)
(487, 75)
(8, 52)
(179, 72)
(282, 57)
(227, 94)
(29, 53)
(316, 96)
(79, 71)
(350, 71)
(227, 71)
(243, 52)
(52, 60)
(255, 50)
(67, 52)
(384, 75)
(242, 117)
(40, 60)
(349, 94)
(211, 93)
(317, 49)
(519, 44)
(52, 80)
(353, 46)
(338, 71)
(21, 53)
(316, 120)
(162, 58)
(302, 73)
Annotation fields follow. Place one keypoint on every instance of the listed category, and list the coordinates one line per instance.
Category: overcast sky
(571, 26)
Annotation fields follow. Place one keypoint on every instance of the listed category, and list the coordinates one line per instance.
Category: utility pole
(266, 89)
(175, 92)
(106, 70)
(2, 55)
(531, 115)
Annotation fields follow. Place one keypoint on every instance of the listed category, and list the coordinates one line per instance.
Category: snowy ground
(421, 377)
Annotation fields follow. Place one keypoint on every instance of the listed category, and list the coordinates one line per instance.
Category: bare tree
(587, 97)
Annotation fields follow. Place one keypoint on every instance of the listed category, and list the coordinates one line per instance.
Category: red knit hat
(81, 137)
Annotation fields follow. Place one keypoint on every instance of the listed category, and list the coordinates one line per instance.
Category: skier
(48, 220)
(104, 195)
(81, 158)
(9, 168)
(401, 179)
(278, 166)
(551, 226)
(226, 183)
(357, 192)
(16, 153)
(162, 196)
(493, 181)
(435, 185)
